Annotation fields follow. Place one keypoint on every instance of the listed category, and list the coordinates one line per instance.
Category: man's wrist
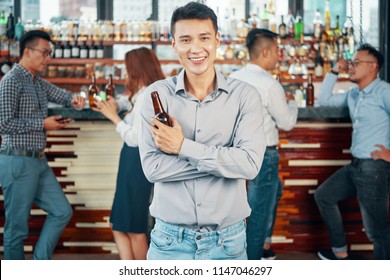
(334, 72)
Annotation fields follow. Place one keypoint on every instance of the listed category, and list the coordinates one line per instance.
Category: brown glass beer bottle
(159, 112)
(110, 88)
(310, 91)
(93, 91)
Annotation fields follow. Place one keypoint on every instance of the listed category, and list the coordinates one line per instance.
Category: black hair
(255, 38)
(193, 10)
(374, 52)
(30, 38)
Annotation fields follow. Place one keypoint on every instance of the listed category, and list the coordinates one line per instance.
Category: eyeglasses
(45, 53)
(355, 63)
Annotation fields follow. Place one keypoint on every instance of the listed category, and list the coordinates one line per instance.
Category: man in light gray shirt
(200, 165)
(265, 190)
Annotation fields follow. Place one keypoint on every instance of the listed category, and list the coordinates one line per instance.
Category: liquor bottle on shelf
(351, 44)
(4, 48)
(83, 50)
(348, 27)
(242, 29)
(298, 26)
(67, 50)
(319, 65)
(3, 25)
(93, 91)
(310, 91)
(282, 28)
(92, 50)
(290, 24)
(272, 16)
(19, 29)
(225, 28)
(5, 66)
(10, 33)
(254, 21)
(75, 31)
(159, 111)
(14, 48)
(75, 50)
(233, 25)
(58, 50)
(229, 52)
(327, 16)
(337, 30)
(317, 24)
(264, 20)
(110, 88)
(100, 50)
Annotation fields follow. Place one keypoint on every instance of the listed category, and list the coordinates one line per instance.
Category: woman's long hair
(143, 68)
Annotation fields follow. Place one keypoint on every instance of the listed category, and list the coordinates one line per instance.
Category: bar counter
(309, 113)
(85, 155)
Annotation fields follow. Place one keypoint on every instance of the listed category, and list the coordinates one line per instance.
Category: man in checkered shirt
(25, 175)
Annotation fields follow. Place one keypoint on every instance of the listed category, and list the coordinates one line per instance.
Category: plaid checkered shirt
(23, 108)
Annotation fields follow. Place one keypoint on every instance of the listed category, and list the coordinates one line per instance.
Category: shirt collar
(371, 86)
(257, 68)
(222, 84)
(24, 72)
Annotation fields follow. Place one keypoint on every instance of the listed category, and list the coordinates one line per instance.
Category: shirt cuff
(120, 126)
(191, 150)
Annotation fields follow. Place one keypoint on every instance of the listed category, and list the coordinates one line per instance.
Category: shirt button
(198, 130)
(198, 237)
(199, 204)
(198, 180)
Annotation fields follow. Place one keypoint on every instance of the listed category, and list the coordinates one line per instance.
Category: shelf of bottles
(79, 44)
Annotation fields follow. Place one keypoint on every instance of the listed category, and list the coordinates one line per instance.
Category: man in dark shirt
(25, 175)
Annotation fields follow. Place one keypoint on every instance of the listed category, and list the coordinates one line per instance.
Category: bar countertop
(309, 113)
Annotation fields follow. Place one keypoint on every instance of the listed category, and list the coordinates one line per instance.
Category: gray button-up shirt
(223, 146)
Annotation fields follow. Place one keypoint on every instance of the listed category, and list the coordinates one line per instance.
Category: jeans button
(198, 237)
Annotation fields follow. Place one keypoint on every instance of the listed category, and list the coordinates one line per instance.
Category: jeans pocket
(18, 165)
(10, 169)
(161, 239)
(235, 245)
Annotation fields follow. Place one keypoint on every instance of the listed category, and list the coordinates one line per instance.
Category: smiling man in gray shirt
(200, 165)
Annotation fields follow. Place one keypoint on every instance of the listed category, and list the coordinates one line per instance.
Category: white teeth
(197, 59)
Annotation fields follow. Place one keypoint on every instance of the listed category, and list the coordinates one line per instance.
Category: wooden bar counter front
(85, 155)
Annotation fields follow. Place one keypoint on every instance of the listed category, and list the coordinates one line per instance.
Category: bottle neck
(158, 108)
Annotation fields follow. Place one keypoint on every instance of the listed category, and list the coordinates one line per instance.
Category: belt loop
(181, 234)
(220, 241)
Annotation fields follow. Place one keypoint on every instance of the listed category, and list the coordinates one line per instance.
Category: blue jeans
(25, 181)
(172, 242)
(264, 193)
(369, 180)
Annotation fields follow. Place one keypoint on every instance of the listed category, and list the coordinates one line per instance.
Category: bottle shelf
(109, 61)
(76, 61)
(145, 42)
(82, 81)
(301, 80)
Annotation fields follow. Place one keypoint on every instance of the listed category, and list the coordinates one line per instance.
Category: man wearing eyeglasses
(368, 175)
(25, 175)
